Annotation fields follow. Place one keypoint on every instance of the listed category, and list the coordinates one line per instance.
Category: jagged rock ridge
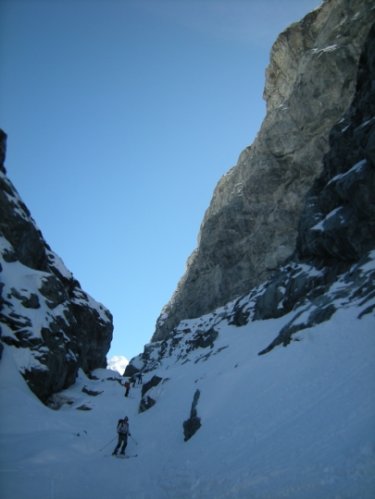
(251, 225)
(52, 325)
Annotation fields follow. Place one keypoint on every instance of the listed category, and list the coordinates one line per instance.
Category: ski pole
(114, 438)
(136, 443)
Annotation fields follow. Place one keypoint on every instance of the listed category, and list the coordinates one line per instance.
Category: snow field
(295, 423)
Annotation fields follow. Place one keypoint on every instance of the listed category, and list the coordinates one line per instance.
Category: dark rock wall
(336, 235)
(53, 327)
(338, 221)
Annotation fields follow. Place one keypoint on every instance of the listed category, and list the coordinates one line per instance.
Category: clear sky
(122, 115)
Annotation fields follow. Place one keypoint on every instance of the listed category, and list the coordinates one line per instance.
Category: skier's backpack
(122, 427)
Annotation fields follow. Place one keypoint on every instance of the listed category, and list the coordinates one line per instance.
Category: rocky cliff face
(338, 220)
(336, 233)
(53, 327)
(251, 225)
(332, 267)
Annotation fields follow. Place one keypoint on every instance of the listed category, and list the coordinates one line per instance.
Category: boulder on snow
(203, 339)
(154, 381)
(130, 370)
(146, 403)
(192, 425)
(92, 393)
(84, 407)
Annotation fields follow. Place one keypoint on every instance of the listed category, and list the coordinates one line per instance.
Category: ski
(126, 456)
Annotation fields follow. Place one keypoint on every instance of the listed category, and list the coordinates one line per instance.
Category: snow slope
(298, 422)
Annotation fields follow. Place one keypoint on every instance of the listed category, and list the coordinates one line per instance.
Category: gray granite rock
(251, 225)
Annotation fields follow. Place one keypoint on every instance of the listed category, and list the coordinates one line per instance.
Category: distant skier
(127, 388)
(122, 432)
(140, 380)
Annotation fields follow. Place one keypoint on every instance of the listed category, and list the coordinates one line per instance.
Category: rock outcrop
(53, 327)
(338, 221)
(251, 225)
(337, 226)
(193, 423)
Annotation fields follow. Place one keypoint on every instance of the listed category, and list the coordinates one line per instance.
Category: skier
(127, 388)
(122, 432)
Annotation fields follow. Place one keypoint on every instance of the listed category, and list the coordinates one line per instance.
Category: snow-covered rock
(52, 325)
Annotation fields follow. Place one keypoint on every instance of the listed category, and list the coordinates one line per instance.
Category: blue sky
(121, 117)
